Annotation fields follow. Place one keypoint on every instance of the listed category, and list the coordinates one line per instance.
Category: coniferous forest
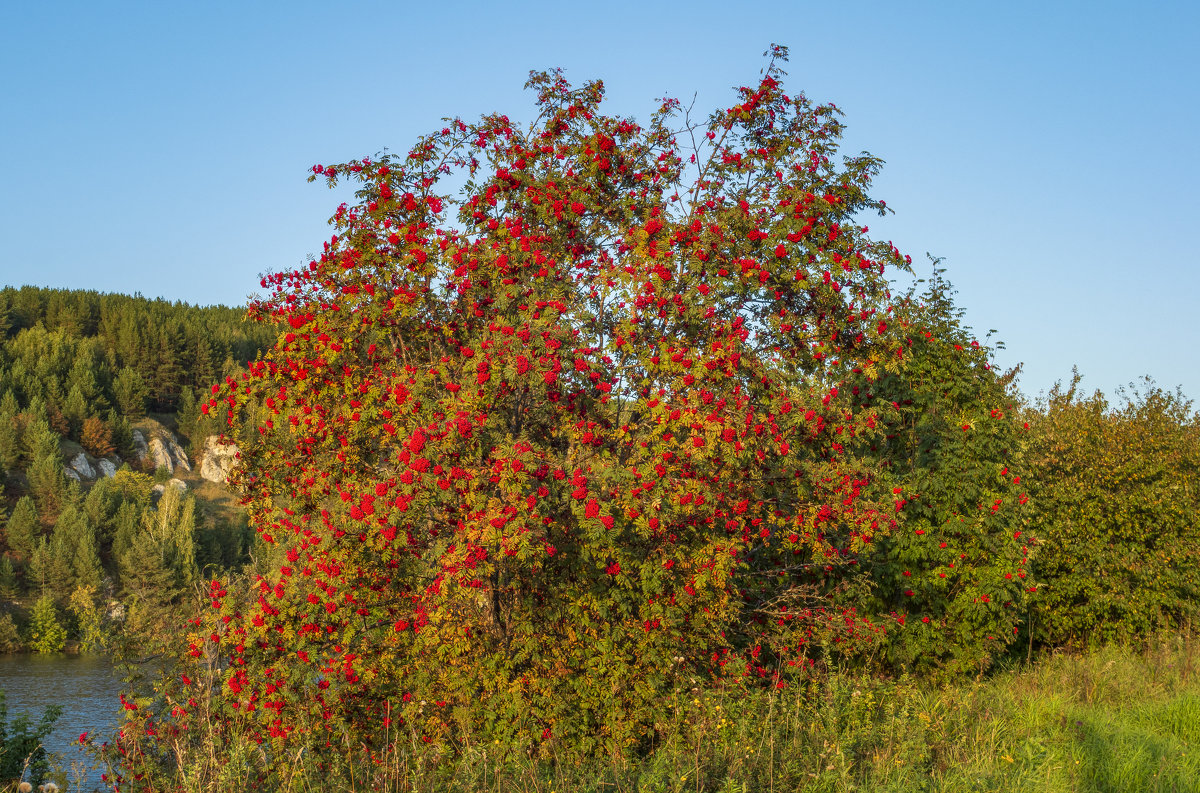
(97, 538)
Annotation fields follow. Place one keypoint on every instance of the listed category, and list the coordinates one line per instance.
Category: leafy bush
(1118, 505)
(955, 577)
(524, 474)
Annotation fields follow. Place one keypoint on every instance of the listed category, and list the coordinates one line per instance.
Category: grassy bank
(1112, 720)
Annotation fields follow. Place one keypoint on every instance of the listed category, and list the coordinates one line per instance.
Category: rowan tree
(530, 457)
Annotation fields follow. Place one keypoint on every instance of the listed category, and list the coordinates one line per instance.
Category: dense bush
(637, 418)
(957, 573)
(1118, 503)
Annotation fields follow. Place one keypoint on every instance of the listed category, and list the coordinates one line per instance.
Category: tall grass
(1114, 720)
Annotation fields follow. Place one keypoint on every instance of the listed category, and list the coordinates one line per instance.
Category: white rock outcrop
(71, 473)
(162, 450)
(219, 459)
(139, 446)
(159, 456)
(79, 463)
(177, 453)
(107, 467)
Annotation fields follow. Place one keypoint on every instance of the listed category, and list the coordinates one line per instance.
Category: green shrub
(951, 583)
(1116, 492)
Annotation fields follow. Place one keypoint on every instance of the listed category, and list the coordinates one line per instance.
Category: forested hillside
(105, 517)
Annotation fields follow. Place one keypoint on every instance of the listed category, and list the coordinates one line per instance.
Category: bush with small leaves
(530, 459)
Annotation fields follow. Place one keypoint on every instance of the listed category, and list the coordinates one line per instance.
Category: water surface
(87, 688)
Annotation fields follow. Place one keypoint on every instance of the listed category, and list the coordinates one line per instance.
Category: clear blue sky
(1047, 150)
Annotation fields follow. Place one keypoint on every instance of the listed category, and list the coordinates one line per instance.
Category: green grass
(1112, 720)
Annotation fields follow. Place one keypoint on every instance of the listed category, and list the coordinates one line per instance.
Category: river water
(86, 687)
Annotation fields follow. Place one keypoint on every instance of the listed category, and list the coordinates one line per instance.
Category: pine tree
(183, 539)
(203, 371)
(187, 414)
(5, 319)
(83, 376)
(171, 527)
(127, 525)
(46, 633)
(38, 439)
(100, 506)
(75, 409)
(23, 528)
(77, 538)
(10, 439)
(85, 562)
(121, 433)
(145, 574)
(8, 579)
(48, 483)
(35, 571)
(10, 637)
(9, 404)
(130, 392)
(25, 308)
(167, 375)
(50, 568)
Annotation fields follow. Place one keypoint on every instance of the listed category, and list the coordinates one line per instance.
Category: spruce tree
(75, 535)
(146, 576)
(46, 633)
(23, 528)
(130, 392)
(10, 439)
(8, 579)
(75, 409)
(50, 568)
